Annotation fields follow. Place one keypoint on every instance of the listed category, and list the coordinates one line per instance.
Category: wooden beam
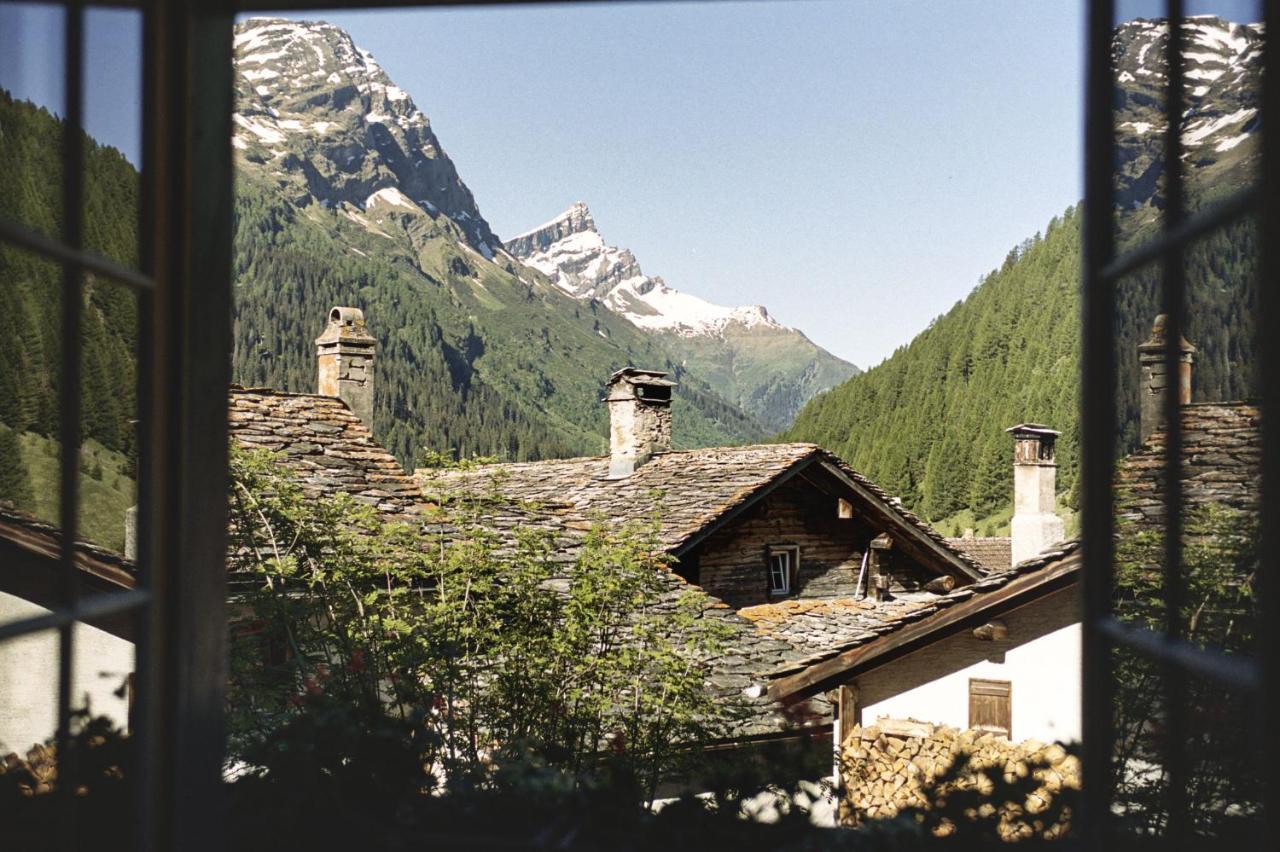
(915, 541)
(978, 609)
(848, 710)
(30, 573)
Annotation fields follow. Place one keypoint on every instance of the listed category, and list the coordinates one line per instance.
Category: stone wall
(896, 765)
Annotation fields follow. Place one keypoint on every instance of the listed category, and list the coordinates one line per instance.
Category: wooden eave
(839, 669)
(924, 549)
(742, 505)
(912, 539)
(30, 559)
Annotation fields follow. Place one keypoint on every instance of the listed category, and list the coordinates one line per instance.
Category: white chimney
(1036, 526)
(639, 418)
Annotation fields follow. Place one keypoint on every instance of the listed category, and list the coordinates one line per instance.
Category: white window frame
(790, 554)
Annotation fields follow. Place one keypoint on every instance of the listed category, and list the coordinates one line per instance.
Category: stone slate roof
(329, 449)
(993, 553)
(833, 626)
(325, 445)
(691, 490)
(1222, 464)
(813, 626)
(920, 611)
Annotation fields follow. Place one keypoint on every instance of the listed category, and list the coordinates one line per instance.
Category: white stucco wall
(29, 677)
(1040, 658)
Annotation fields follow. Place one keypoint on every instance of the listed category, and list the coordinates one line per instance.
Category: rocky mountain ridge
(346, 196)
(321, 117)
(571, 252)
(1222, 68)
(767, 368)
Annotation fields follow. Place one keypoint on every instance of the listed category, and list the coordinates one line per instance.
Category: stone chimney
(1154, 382)
(344, 356)
(639, 418)
(1036, 525)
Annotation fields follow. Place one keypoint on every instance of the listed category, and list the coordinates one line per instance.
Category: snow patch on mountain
(1222, 68)
(571, 252)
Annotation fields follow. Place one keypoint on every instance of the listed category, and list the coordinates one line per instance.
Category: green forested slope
(30, 324)
(928, 422)
(474, 357)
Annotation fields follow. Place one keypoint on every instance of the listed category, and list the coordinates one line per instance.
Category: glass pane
(1222, 789)
(113, 127)
(101, 683)
(31, 102)
(29, 373)
(28, 680)
(1222, 442)
(1222, 68)
(108, 416)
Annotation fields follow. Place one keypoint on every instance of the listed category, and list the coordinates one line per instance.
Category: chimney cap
(1032, 429)
(638, 376)
(346, 325)
(631, 383)
(1156, 342)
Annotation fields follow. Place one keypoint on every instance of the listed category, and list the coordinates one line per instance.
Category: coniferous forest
(928, 423)
(30, 324)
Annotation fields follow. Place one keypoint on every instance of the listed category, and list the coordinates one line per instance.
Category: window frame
(791, 573)
(183, 289)
(1102, 270)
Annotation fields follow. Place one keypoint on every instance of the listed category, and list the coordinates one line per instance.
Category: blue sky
(854, 166)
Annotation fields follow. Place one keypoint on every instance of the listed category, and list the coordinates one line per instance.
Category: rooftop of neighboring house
(843, 637)
(327, 446)
(30, 548)
(1221, 464)
(22, 530)
(993, 553)
(689, 492)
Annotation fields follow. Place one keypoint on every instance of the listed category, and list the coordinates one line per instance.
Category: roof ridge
(270, 391)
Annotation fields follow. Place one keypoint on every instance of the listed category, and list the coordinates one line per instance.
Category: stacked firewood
(897, 765)
(33, 775)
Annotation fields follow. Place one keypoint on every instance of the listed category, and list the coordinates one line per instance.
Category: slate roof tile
(326, 446)
(993, 553)
(688, 490)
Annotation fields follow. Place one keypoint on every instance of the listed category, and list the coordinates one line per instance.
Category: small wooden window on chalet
(991, 706)
(784, 562)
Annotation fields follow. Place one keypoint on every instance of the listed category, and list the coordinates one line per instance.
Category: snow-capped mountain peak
(319, 116)
(570, 251)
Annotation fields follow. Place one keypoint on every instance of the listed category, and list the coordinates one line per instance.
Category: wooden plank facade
(733, 562)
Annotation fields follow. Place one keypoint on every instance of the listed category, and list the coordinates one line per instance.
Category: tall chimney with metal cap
(1036, 525)
(639, 418)
(1155, 380)
(344, 357)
